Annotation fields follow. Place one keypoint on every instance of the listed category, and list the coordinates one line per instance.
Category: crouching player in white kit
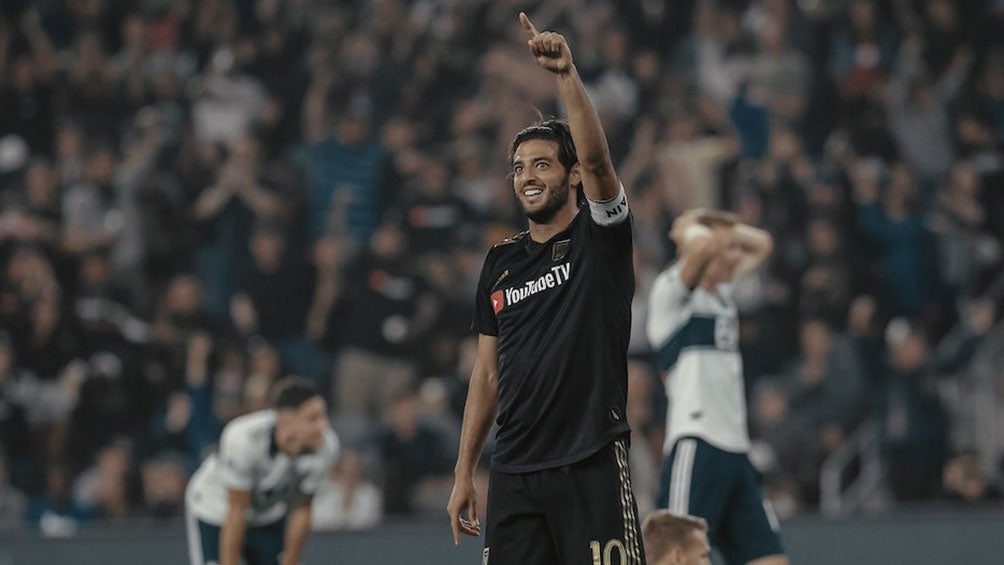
(252, 498)
(694, 326)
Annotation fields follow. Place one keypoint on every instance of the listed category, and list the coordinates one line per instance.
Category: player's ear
(575, 176)
(675, 556)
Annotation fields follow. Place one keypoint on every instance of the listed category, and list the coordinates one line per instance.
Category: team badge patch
(560, 249)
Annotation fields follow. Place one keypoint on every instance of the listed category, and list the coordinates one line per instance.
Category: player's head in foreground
(675, 540)
(545, 170)
(718, 226)
(302, 416)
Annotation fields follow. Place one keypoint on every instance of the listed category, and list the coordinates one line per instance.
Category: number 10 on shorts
(608, 552)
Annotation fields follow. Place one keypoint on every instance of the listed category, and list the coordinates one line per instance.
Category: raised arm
(695, 245)
(757, 245)
(551, 52)
(479, 411)
(908, 67)
(700, 248)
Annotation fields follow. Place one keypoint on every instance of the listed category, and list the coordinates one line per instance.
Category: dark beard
(555, 201)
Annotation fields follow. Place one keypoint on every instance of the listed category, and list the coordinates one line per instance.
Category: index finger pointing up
(528, 25)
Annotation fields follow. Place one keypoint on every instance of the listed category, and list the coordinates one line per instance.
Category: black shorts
(578, 514)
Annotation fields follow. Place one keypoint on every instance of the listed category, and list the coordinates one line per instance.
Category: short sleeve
(236, 460)
(665, 304)
(486, 303)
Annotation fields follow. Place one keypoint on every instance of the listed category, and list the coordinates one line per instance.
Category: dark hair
(292, 392)
(554, 130)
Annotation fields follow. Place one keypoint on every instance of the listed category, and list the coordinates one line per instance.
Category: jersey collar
(530, 245)
(273, 445)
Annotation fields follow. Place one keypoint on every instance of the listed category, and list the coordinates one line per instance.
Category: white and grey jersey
(248, 459)
(695, 334)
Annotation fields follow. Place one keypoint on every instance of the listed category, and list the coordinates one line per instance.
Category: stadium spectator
(344, 170)
(28, 96)
(806, 413)
(163, 478)
(915, 426)
(103, 489)
(779, 74)
(893, 224)
(964, 480)
(228, 208)
(347, 501)
(825, 385)
(54, 512)
(917, 106)
(274, 292)
(863, 46)
(827, 281)
(780, 445)
(385, 307)
(12, 502)
(413, 452)
(264, 370)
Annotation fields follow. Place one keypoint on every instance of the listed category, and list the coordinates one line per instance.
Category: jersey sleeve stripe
(195, 555)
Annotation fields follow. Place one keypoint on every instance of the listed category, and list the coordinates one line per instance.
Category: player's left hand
(549, 49)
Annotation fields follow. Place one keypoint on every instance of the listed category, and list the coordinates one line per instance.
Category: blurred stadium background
(201, 196)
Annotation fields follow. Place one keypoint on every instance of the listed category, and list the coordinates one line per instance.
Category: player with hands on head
(693, 324)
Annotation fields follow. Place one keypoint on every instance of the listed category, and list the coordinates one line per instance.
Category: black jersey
(562, 314)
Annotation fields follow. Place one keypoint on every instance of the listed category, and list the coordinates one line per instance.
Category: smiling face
(541, 183)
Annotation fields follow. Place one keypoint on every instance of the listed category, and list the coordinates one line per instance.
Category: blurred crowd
(199, 197)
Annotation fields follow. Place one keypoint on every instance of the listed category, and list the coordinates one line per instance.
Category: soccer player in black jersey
(553, 315)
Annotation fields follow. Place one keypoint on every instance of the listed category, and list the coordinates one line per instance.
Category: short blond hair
(662, 531)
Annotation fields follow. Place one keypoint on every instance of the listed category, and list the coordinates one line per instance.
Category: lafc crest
(560, 249)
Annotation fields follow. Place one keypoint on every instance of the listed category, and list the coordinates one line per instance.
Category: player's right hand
(464, 498)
